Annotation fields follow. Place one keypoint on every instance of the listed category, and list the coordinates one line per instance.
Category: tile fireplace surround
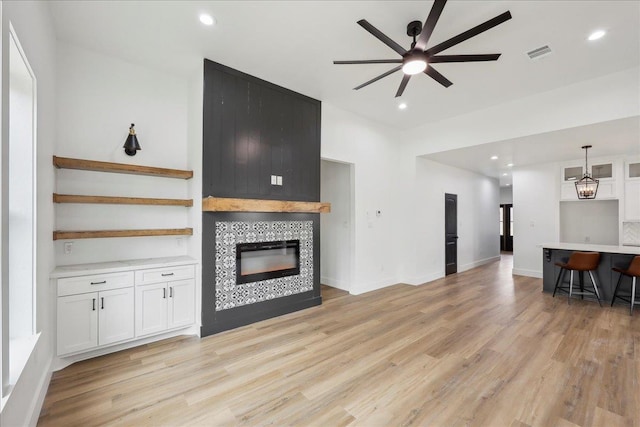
(229, 294)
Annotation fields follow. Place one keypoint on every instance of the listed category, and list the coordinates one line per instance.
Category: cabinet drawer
(94, 283)
(156, 275)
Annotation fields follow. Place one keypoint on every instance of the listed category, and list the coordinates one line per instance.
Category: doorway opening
(506, 227)
(337, 236)
(451, 233)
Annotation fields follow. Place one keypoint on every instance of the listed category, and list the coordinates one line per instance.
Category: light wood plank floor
(479, 348)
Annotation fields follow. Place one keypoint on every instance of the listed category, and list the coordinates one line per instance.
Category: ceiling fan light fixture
(596, 35)
(414, 66)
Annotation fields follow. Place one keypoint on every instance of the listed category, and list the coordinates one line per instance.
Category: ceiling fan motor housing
(414, 28)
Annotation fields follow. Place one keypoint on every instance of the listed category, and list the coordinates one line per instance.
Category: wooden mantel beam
(221, 204)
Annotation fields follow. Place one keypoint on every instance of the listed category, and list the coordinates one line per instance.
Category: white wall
(478, 226)
(590, 221)
(536, 195)
(34, 28)
(98, 97)
(373, 150)
(335, 228)
(506, 195)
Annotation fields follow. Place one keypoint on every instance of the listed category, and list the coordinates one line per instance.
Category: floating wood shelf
(93, 165)
(220, 204)
(97, 234)
(70, 198)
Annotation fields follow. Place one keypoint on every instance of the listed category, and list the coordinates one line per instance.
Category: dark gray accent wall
(254, 129)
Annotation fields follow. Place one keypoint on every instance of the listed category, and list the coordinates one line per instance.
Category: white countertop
(115, 266)
(633, 250)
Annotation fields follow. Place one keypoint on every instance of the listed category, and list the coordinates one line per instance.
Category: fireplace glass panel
(267, 260)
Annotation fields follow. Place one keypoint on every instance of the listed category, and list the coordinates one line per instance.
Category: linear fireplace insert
(267, 260)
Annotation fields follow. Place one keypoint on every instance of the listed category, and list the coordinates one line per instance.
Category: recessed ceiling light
(505, 174)
(597, 35)
(402, 106)
(510, 165)
(207, 19)
(494, 157)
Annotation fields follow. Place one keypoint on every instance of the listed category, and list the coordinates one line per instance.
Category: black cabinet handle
(167, 274)
(102, 303)
(170, 291)
(93, 305)
(164, 292)
(99, 283)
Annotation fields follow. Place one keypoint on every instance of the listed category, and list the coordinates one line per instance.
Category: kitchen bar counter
(610, 256)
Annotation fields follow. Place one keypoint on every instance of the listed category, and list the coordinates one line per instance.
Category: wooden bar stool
(632, 271)
(580, 262)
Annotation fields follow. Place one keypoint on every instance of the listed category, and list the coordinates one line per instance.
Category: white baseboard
(529, 273)
(334, 283)
(41, 392)
(421, 280)
(372, 286)
(478, 263)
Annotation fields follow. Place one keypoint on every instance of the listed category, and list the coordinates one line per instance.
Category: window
(602, 171)
(573, 174)
(634, 170)
(19, 209)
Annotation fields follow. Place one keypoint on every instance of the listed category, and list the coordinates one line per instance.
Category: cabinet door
(181, 303)
(151, 309)
(77, 323)
(632, 200)
(115, 318)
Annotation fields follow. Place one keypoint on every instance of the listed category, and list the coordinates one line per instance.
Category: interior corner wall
(536, 198)
(194, 163)
(478, 225)
(99, 96)
(34, 28)
(374, 152)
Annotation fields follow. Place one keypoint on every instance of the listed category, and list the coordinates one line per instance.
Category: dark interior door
(451, 233)
(506, 227)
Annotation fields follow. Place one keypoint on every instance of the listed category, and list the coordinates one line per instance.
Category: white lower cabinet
(93, 319)
(77, 323)
(164, 306)
(115, 316)
(95, 310)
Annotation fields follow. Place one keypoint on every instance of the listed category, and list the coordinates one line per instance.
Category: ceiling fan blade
(403, 84)
(430, 24)
(381, 36)
(464, 58)
(371, 61)
(378, 78)
(469, 33)
(431, 72)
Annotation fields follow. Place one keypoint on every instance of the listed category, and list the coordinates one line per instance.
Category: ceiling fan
(419, 58)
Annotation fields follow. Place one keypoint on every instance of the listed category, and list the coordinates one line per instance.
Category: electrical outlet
(587, 239)
(274, 180)
(279, 180)
(68, 248)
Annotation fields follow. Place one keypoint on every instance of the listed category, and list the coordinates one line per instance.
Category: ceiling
(612, 138)
(293, 44)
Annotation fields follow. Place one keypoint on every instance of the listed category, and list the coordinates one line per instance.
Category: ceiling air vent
(539, 52)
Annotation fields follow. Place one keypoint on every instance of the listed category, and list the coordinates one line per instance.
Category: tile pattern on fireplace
(229, 233)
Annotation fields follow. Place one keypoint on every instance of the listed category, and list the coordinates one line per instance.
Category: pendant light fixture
(587, 187)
